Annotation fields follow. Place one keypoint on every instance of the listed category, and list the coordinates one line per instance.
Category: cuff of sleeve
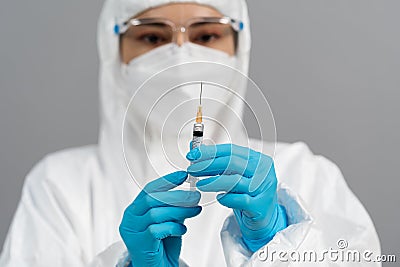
(279, 222)
(298, 220)
(110, 256)
(125, 260)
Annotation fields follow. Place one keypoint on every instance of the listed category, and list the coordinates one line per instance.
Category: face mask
(166, 81)
(144, 66)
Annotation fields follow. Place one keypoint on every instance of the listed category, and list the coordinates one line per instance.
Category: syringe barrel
(198, 130)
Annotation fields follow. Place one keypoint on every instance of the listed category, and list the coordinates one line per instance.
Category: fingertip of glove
(197, 210)
(200, 208)
(194, 169)
(193, 154)
(195, 195)
(179, 176)
(220, 196)
(183, 229)
(201, 183)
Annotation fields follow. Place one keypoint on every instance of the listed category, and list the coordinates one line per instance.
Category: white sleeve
(41, 234)
(337, 221)
(115, 255)
(118, 256)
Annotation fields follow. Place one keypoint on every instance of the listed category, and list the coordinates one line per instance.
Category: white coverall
(72, 201)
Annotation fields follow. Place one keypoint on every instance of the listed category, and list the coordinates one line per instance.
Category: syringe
(198, 130)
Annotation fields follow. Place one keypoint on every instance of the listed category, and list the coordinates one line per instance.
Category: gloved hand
(153, 225)
(249, 180)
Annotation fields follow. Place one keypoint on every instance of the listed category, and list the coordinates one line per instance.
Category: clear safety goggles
(159, 31)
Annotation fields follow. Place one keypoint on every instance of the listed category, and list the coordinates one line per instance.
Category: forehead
(180, 12)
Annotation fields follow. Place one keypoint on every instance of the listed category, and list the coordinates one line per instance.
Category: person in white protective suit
(80, 207)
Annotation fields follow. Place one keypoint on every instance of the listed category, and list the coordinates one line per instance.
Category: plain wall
(330, 70)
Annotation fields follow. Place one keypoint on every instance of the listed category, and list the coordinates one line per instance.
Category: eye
(153, 39)
(207, 33)
(206, 38)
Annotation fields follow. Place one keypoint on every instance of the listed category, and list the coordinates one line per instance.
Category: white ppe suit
(73, 201)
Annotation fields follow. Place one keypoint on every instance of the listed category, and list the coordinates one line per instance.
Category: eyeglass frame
(121, 28)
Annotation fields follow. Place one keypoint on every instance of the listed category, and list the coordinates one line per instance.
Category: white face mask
(144, 66)
(152, 79)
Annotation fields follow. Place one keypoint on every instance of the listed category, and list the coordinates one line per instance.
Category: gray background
(330, 69)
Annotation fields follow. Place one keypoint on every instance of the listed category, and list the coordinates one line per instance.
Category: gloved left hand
(153, 225)
(249, 180)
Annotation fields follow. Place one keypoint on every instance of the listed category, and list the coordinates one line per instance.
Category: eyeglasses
(153, 32)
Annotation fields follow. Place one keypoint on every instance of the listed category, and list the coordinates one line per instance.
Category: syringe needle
(201, 91)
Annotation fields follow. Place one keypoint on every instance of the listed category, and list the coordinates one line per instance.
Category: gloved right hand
(153, 225)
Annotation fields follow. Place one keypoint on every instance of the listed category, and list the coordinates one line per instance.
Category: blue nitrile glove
(152, 226)
(249, 180)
